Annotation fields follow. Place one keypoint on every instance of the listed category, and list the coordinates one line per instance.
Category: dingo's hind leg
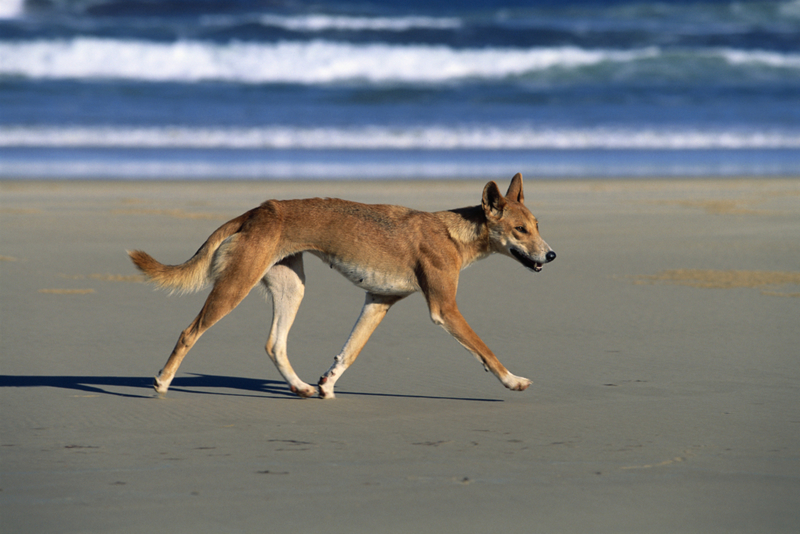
(373, 312)
(232, 286)
(285, 281)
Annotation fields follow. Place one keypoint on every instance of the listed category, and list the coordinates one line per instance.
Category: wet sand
(662, 345)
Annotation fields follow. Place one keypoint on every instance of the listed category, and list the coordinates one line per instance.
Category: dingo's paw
(160, 386)
(304, 391)
(326, 388)
(516, 383)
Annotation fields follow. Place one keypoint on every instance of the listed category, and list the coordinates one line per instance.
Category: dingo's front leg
(449, 317)
(373, 312)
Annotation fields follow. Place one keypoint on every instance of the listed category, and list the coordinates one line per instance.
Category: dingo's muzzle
(530, 263)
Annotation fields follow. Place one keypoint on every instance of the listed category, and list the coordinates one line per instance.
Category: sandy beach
(662, 344)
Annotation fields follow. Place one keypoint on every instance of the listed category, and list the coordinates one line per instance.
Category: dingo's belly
(371, 279)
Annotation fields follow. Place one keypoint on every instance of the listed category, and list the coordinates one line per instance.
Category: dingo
(390, 251)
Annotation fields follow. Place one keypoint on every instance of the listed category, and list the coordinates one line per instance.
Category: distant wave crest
(410, 138)
(10, 9)
(319, 62)
(320, 22)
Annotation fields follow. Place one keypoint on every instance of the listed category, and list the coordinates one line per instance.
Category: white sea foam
(761, 57)
(360, 165)
(394, 138)
(10, 9)
(315, 62)
(318, 23)
(321, 62)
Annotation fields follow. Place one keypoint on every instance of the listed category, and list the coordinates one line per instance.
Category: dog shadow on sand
(110, 385)
(195, 383)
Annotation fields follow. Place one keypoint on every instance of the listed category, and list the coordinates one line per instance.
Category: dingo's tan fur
(390, 251)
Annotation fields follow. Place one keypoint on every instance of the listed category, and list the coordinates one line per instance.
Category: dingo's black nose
(550, 256)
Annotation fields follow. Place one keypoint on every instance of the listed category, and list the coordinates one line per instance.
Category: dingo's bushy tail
(202, 268)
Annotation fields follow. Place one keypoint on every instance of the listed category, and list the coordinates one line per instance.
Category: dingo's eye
(521, 229)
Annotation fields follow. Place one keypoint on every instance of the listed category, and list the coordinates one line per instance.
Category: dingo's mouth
(534, 266)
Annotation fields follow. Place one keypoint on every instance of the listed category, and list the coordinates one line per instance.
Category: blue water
(334, 89)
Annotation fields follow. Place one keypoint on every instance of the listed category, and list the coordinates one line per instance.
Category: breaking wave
(320, 22)
(11, 9)
(324, 62)
(315, 62)
(394, 138)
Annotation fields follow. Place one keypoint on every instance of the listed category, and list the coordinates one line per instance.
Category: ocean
(284, 89)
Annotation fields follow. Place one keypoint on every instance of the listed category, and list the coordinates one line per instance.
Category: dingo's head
(513, 230)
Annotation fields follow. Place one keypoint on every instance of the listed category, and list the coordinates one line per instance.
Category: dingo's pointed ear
(493, 201)
(515, 189)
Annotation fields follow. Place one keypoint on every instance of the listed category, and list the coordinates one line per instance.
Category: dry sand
(662, 344)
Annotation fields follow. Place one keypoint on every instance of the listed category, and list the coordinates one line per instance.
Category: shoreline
(411, 164)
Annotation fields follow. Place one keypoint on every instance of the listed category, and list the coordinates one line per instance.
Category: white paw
(326, 388)
(516, 383)
(303, 390)
(160, 386)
